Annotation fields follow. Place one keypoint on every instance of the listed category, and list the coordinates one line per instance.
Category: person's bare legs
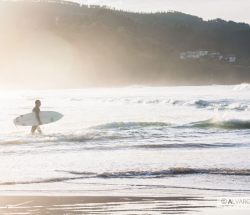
(33, 129)
(39, 130)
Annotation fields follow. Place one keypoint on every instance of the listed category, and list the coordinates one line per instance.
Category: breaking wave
(226, 124)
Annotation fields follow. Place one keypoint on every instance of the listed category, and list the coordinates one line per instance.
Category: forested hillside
(81, 45)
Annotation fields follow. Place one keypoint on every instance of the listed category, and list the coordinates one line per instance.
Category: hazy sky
(237, 10)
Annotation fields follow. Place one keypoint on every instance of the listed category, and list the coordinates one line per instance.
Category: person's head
(38, 103)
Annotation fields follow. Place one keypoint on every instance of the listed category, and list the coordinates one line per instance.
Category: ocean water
(139, 141)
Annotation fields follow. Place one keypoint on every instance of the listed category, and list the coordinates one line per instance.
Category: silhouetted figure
(36, 110)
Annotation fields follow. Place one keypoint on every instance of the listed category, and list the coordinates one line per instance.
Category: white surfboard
(30, 119)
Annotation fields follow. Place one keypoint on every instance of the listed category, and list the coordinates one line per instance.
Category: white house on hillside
(204, 54)
(230, 58)
(193, 54)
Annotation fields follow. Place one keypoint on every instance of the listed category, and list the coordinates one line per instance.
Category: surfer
(36, 110)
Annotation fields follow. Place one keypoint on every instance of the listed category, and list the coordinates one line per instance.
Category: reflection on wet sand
(102, 205)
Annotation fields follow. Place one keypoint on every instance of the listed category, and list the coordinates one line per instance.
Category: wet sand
(102, 205)
(72, 205)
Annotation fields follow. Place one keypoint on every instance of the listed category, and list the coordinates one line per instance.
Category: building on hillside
(209, 55)
(214, 55)
(230, 58)
(200, 54)
(193, 54)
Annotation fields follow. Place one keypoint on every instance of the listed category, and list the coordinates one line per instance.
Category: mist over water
(62, 44)
(143, 140)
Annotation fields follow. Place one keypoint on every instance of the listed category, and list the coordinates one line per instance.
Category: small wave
(202, 103)
(41, 181)
(82, 138)
(135, 174)
(238, 107)
(220, 104)
(187, 146)
(78, 137)
(242, 87)
(224, 104)
(166, 173)
(227, 124)
(131, 125)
